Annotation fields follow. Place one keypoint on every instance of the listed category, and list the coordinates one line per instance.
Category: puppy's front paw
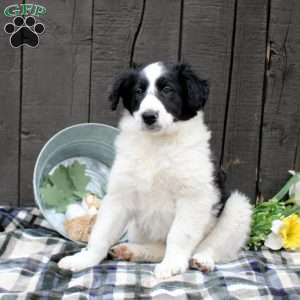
(79, 261)
(203, 262)
(169, 268)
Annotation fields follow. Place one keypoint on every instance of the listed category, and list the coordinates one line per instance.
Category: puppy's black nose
(150, 117)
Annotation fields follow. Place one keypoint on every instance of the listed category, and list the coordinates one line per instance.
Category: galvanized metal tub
(81, 142)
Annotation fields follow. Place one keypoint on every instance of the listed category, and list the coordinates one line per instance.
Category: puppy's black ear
(121, 87)
(195, 90)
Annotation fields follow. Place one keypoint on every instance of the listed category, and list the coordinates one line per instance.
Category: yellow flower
(290, 232)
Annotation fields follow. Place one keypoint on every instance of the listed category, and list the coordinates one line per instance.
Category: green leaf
(54, 197)
(61, 179)
(79, 179)
(65, 186)
(79, 194)
(285, 189)
(46, 181)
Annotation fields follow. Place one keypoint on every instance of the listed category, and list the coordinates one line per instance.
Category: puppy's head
(159, 95)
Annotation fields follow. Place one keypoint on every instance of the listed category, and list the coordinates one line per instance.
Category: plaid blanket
(30, 250)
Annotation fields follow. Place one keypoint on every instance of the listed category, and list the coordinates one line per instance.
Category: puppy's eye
(167, 89)
(139, 91)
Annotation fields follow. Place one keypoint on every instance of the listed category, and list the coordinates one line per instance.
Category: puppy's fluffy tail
(232, 228)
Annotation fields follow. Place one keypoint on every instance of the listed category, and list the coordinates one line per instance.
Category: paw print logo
(24, 31)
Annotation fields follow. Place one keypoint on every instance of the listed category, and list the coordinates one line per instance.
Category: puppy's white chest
(154, 213)
(153, 170)
(155, 203)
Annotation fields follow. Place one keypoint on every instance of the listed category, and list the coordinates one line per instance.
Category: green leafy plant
(266, 212)
(65, 186)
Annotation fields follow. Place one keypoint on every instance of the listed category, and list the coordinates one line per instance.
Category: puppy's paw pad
(121, 252)
(202, 262)
(165, 270)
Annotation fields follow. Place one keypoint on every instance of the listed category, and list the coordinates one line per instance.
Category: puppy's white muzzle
(152, 114)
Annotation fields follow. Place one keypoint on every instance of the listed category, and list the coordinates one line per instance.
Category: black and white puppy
(162, 186)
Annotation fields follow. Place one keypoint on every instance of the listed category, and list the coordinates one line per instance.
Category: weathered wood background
(249, 50)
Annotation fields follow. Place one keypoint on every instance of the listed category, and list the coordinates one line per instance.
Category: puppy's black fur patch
(123, 88)
(220, 180)
(194, 91)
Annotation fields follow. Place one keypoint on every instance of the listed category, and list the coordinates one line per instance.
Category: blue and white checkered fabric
(30, 249)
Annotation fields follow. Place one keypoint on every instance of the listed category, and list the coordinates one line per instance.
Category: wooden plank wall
(55, 85)
(10, 96)
(249, 50)
(280, 149)
(243, 118)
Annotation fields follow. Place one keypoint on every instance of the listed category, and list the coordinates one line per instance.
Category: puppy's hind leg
(228, 236)
(151, 252)
(139, 248)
